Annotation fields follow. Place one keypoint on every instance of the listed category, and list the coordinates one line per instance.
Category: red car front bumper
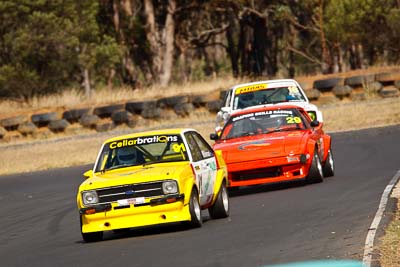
(266, 171)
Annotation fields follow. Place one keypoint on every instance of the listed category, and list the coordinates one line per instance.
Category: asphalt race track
(39, 223)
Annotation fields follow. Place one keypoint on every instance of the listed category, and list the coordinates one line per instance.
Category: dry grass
(53, 155)
(361, 115)
(75, 98)
(390, 244)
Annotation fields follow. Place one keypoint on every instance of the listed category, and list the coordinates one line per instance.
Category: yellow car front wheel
(220, 209)
(194, 208)
(91, 237)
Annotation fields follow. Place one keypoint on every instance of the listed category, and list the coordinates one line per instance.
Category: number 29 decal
(293, 120)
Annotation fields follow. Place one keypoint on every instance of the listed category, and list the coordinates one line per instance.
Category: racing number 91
(178, 147)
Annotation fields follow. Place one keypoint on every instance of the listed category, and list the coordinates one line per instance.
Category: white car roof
(273, 83)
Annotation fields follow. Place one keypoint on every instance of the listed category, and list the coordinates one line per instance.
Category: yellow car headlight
(170, 187)
(90, 198)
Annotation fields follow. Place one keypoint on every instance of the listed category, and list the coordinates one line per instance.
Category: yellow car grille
(112, 194)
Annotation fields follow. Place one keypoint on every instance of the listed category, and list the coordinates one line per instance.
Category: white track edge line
(369, 241)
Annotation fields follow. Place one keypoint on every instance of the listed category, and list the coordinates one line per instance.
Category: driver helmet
(127, 155)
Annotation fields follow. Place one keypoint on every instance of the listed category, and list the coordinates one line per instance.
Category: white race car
(270, 92)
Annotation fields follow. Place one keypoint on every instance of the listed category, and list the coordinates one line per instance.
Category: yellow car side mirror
(88, 174)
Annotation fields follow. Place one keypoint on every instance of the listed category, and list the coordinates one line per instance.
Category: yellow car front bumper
(116, 217)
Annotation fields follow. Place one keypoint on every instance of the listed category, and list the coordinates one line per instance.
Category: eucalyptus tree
(46, 46)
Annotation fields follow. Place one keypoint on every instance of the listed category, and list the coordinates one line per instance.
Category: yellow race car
(152, 178)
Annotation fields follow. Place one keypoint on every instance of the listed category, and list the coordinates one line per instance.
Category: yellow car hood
(136, 174)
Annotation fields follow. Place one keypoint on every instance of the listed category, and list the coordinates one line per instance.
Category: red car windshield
(263, 122)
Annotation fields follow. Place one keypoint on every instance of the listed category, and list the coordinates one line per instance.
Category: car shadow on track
(144, 231)
(254, 189)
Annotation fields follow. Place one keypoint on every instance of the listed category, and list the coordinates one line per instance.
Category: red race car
(274, 144)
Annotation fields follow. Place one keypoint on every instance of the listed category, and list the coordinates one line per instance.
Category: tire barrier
(89, 121)
(184, 109)
(141, 113)
(312, 94)
(74, 115)
(170, 102)
(358, 80)
(27, 128)
(11, 124)
(387, 77)
(58, 126)
(373, 87)
(43, 119)
(151, 113)
(106, 111)
(121, 117)
(138, 106)
(326, 85)
(342, 91)
(214, 106)
(389, 91)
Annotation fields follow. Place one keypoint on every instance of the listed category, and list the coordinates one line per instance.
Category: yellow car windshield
(141, 151)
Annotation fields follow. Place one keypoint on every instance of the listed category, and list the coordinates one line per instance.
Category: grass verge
(389, 248)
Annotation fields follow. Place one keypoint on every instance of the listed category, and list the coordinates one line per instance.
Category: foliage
(48, 45)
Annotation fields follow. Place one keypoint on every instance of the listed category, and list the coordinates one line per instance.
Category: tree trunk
(169, 45)
(110, 80)
(127, 6)
(232, 45)
(342, 66)
(353, 57)
(261, 58)
(293, 35)
(208, 59)
(336, 67)
(153, 38)
(86, 83)
(326, 62)
(129, 72)
(360, 56)
(245, 48)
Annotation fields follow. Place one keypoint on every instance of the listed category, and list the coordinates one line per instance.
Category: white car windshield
(268, 96)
